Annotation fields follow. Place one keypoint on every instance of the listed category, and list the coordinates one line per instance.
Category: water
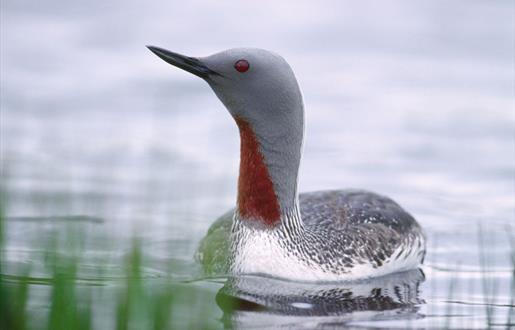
(414, 101)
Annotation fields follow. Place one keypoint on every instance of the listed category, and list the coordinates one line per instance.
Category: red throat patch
(256, 196)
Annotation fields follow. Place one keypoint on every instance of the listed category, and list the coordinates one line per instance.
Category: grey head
(257, 87)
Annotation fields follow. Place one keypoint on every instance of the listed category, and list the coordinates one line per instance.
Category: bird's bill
(190, 64)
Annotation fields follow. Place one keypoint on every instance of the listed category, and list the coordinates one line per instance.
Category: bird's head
(255, 85)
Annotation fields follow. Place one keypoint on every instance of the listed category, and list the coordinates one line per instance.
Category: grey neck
(281, 148)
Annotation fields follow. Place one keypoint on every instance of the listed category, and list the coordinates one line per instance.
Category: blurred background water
(411, 100)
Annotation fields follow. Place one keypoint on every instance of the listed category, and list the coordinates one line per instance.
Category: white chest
(259, 252)
(263, 252)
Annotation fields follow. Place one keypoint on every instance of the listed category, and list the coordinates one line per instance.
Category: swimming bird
(332, 235)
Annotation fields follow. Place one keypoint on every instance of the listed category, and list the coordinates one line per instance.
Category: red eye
(241, 66)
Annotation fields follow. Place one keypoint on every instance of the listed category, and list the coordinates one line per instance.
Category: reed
(132, 301)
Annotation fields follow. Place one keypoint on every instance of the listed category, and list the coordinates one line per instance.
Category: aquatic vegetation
(66, 300)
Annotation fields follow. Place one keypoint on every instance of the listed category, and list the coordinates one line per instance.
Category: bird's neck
(267, 184)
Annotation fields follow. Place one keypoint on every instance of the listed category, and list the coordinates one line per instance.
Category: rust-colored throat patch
(257, 200)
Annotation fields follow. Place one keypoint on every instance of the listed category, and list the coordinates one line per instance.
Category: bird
(321, 236)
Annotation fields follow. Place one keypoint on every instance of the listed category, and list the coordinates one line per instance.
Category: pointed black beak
(190, 64)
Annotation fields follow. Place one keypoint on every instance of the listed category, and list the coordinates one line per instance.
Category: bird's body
(346, 234)
(320, 236)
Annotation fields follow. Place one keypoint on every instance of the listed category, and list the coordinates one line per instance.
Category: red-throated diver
(318, 236)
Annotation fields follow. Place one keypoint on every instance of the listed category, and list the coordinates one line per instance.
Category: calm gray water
(411, 100)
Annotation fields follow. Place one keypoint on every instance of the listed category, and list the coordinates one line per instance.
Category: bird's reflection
(249, 301)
